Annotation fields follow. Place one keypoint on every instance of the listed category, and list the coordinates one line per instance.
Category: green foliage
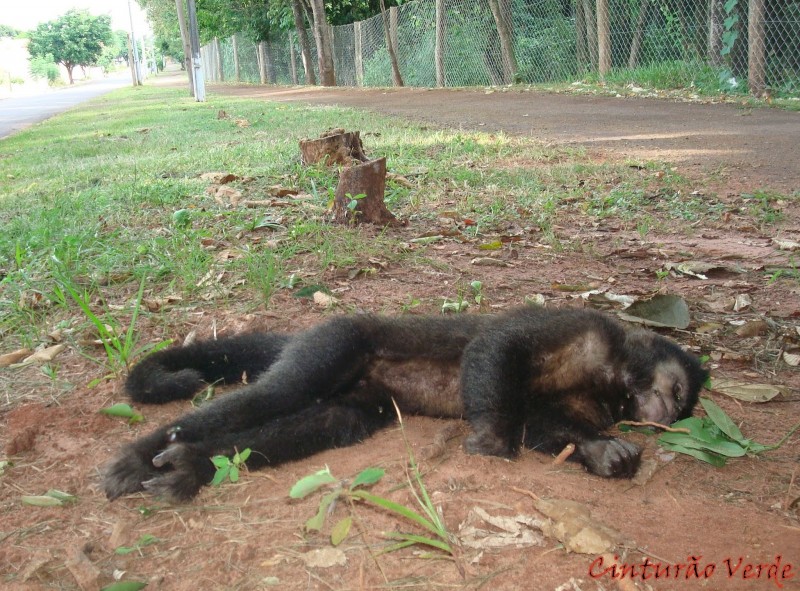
(124, 411)
(75, 39)
(714, 438)
(125, 586)
(114, 52)
(430, 520)
(44, 67)
(6, 31)
(229, 468)
(120, 348)
(144, 540)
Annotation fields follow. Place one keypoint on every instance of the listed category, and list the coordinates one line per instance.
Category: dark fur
(535, 377)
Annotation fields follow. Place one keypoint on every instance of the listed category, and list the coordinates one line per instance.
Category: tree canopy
(75, 39)
(6, 31)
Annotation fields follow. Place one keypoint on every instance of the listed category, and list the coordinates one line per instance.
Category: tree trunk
(756, 48)
(581, 51)
(716, 19)
(438, 52)
(603, 37)
(336, 146)
(397, 79)
(501, 11)
(262, 63)
(360, 193)
(636, 43)
(187, 47)
(292, 61)
(302, 38)
(322, 35)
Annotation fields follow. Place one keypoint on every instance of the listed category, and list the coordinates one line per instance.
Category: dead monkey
(536, 377)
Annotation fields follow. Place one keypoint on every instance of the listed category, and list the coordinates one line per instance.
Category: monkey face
(664, 386)
(666, 397)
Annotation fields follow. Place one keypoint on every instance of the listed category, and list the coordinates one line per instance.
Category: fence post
(438, 51)
(218, 61)
(269, 62)
(292, 64)
(591, 32)
(359, 58)
(236, 69)
(756, 50)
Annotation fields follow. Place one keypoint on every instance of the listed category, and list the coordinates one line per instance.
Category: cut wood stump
(359, 195)
(336, 146)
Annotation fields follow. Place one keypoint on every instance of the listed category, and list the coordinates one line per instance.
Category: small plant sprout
(429, 519)
(120, 350)
(144, 540)
(477, 290)
(124, 411)
(460, 304)
(353, 200)
(229, 468)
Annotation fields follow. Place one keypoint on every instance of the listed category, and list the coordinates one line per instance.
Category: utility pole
(137, 69)
(197, 64)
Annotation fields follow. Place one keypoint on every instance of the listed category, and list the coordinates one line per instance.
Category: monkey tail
(179, 372)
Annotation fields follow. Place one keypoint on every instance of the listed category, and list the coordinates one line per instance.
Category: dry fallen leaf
(792, 359)
(324, 558)
(490, 262)
(45, 355)
(519, 531)
(790, 245)
(13, 357)
(748, 392)
(324, 300)
(742, 302)
(572, 524)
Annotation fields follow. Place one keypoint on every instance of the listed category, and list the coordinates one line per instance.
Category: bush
(44, 67)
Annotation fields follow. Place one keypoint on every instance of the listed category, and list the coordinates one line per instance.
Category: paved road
(18, 113)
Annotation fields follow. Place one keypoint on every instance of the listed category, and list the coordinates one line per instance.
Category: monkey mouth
(652, 406)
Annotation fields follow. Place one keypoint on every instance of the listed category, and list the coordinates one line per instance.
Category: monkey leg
(493, 373)
(178, 372)
(180, 469)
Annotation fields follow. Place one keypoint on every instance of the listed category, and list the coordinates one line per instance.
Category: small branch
(528, 493)
(568, 450)
(666, 428)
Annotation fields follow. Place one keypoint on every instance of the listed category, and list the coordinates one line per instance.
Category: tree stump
(359, 195)
(336, 146)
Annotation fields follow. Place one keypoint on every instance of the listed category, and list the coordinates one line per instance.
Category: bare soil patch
(249, 535)
(739, 147)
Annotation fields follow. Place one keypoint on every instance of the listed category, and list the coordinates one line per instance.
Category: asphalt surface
(18, 113)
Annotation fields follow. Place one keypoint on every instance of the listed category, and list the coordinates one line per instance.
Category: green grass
(91, 195)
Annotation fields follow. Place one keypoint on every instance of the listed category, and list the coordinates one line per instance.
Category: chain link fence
(710, 45)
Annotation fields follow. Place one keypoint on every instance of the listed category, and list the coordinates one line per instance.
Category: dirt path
(249, 536)
(745, 149)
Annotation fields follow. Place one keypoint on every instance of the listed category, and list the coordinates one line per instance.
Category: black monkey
(536, 377)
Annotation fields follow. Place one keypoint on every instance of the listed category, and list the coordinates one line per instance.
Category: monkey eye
(677, 391)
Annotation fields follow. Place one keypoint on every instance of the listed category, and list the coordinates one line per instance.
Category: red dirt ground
(249, 535)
